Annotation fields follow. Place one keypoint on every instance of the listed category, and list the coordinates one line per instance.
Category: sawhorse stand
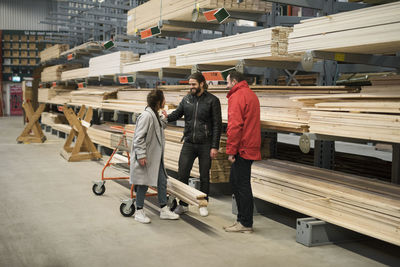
(84, 147)
(32, 126)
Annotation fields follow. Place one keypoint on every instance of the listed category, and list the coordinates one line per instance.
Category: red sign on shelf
(15, 100)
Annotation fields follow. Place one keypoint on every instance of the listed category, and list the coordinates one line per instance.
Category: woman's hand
(143, 162)
(164, 113)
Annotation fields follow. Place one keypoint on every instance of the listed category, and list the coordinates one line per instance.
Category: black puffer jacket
(203, 121)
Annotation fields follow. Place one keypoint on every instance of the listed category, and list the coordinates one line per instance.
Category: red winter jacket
(244, 131)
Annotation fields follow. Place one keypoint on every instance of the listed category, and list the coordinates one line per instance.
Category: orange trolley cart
(127, 207)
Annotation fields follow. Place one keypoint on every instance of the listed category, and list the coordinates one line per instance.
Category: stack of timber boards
(110, 64)
(373, 30)
(349, 163)
(57, 95)
(369, 116)
(53, 52)
(265, 44)
(80, 73)
(152, 62)
(360, 204)
(186, 193)
(85, 48)
(53, 73)
(277, 110)
(93, 95)
(148, 14)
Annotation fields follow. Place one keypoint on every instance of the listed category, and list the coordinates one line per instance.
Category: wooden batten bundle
(373, 30)
(53, 52)
(267, 44)
(83, 48)
(53, 73)
(80, 73)
(110, 64)
(370, 116)
(152, 62)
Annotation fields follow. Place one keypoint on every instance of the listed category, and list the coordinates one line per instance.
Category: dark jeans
(188, 154)
(241, 187)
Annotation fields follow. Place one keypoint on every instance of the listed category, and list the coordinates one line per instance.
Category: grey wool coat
(148, 142)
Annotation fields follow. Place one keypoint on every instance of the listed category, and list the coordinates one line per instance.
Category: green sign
(221, 15)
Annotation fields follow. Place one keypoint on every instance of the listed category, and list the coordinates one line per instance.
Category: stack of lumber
(172, 98)
(110, 64)
(367, 206)
(148, 14)
(370, 116)
(85, 48)
(265, 44)
(373, 30)
(53, 52)
(43, 95)
(50, 119)
(54, 95)
(93, 95)
(152, 62)
(277, 110)
(60, 95)
(186, 193)
(53, 73)
(80, 73)
(349, 163)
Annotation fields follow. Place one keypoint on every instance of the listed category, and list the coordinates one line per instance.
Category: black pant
(188, 154)
(241, 187)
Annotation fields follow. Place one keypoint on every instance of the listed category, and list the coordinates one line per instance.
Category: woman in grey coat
(147, 164)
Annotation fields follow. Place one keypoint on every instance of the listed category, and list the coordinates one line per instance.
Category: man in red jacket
(243, 147)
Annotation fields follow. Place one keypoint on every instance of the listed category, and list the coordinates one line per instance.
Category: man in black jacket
(203, 123)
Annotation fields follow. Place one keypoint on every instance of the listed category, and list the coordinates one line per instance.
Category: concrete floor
(50, 217)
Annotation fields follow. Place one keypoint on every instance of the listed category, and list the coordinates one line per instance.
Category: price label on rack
(82, 85)
(70, 56)
(60, 108)
(125, 79)
(153, 31)
(54, 84)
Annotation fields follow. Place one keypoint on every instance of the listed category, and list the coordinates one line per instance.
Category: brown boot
(239, 228)
(224, 227)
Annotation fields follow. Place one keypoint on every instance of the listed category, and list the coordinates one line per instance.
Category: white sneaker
(203, 211)
(181, 209)
(166, 214)
(141, 217)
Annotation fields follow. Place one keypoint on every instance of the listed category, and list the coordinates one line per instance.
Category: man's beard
(193, 92)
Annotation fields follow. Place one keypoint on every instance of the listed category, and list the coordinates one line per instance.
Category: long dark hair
(154, 100)
(199, 78)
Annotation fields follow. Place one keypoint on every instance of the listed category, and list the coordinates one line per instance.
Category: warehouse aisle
(50, 217)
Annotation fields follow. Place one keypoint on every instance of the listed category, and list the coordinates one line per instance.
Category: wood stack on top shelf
(53, 52)
(265, 44)
(148, 14)
(372, 30)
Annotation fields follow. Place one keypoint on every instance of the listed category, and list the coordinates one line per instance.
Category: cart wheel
(173, 206)
(98, 190)
(127, 211)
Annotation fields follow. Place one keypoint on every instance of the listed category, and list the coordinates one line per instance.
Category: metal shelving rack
(83, 20)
